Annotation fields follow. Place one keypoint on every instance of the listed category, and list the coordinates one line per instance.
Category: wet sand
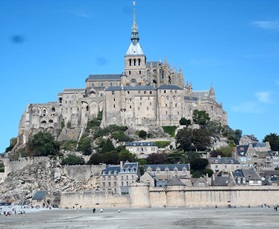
(164, 218)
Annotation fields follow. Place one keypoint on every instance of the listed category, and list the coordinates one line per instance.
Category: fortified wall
(142, 196)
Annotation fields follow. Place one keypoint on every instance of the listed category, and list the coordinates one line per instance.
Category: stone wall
(142, 196)
(92, 199)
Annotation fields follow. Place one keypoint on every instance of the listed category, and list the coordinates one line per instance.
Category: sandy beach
(163, 218)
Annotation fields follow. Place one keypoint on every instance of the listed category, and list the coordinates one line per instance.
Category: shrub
(120, 136)
(169, 130)
(84, 145)
(142, 134)
(73, 159)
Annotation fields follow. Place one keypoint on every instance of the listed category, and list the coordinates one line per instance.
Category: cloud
(247, 107)
(269, 25)
(263, 96)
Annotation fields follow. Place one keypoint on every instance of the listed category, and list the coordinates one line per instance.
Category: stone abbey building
(146, 93)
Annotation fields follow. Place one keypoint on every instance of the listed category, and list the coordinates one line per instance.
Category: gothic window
(53, 109)
(129, 72)
(87, 108)
(139, 62)
(130, 62)
(135, 62)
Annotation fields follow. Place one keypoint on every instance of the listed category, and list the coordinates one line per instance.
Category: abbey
(146, 93)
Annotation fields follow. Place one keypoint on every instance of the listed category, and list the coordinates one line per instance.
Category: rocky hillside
(20, 185)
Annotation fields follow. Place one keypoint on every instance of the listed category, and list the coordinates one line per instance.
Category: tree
(108, 146)
(157, 158)
(42, 144)
(73, 159)
(84, 145)
(201, 139)
(142, 134)
(110, 157)
(197, 139)
(200, 117)
(184, 122)
(125, 155)
(184, 139)
(95, 159)
(273, 140)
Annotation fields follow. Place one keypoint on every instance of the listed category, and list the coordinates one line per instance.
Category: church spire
(135, 33)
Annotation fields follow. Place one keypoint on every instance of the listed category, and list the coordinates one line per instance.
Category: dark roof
(114, 169)
(171, 167)
(130, 88)
(223, 160)
(140, 144)
(130, 166)
(169, 87)
(190, 98)
(221, 181)
(259, 144)
(153, 63)
(248, 174)
(103, 77)
(241, 150)
(39, 195)
(175, 182)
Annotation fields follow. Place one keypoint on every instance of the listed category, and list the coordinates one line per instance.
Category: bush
(95, 159)
(169, 130)
(68, 145)
(142, 134)
(84, 145)
(120, 136)
(73, 159)
(184, 122)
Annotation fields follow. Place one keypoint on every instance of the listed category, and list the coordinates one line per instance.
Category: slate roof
(39, 195)
(201, 94)
(153, 63)
(241, 150)
(131, 166)
(221, 181)
(140, 144)
(134, 49)
(169, 87)
(223, 160)
(110, 170)
(248, 174)
(175, 182)
(130, 88)
(104, 77)
(190, 98)
(171, 167)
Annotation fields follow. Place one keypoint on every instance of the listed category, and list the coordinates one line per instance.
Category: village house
(142, 149)
(158, 175)
(118, 178)
(246, 177)
(224, 164)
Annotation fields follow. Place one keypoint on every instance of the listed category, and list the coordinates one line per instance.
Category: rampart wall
(142, 196)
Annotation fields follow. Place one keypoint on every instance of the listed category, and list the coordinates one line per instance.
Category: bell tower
(135, 60)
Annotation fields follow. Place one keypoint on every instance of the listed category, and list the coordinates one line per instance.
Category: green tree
(189, 140)
(42, 144)
(95, 159)
(200, 117)
(108, 146)
(142, 134)
(184, 122)
(273, 140)
(84, 146)
(125, 155)
(73, 159)
(110, 157)
(201, 139)
(184, 139)
(157, 158)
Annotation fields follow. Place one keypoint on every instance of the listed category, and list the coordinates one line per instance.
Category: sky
(49, 45)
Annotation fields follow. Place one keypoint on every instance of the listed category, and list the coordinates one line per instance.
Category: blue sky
(49, 45)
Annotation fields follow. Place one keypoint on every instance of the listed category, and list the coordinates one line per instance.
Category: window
(150, 92)
(139, 62)
(135, 62)
(129, 72)
(128, 92)
(112, 92)
(130, 62)
(144, 92)
(140, 72)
